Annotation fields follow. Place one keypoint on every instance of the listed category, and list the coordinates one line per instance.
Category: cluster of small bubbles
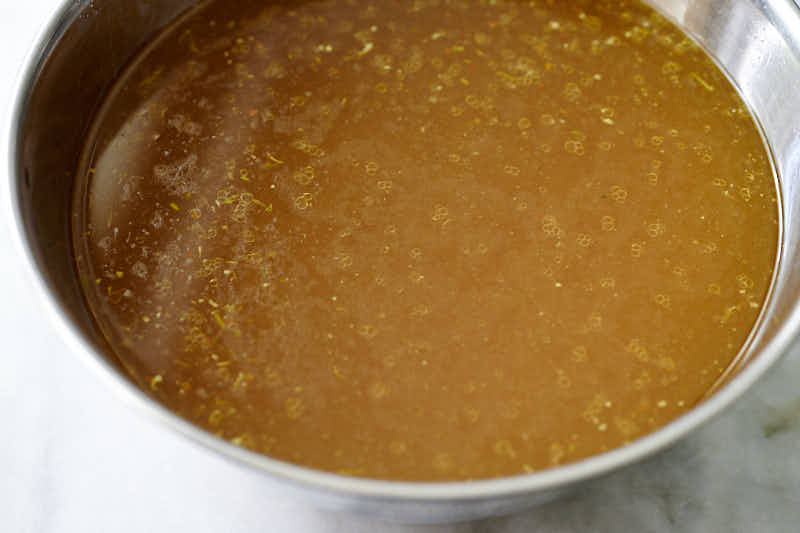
(638, 350)
(584, 240)
(416, 277)
(550, 226)
(605, 146)
(440, 213)
(574, 147)
(594, 409)
(656, 140)
(457, 110)
(608, 283)
(679, 271)
(655, 229)
(618, 193)
(304, 176)
(139, 269)
(579, 354)
(652, 178)
(665, 363)
(163, 287)
(305, 147)
(708, 248)
(703, 151)
(663, 300)
(545, 148)
(384, 185)
(304, 201)
(511, 170)
(420, 310)
(637, 248)
(415, 253)
(719, 182)
(509, 411)
(368, 331)
(744, 281)
(371, 167)
(714, 288)
(343, 260)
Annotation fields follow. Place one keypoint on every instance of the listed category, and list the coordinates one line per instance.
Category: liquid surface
(426, 240)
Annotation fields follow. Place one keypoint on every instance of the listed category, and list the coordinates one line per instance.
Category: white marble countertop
(73, 458)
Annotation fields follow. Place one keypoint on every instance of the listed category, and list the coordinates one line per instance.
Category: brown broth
(426, 240)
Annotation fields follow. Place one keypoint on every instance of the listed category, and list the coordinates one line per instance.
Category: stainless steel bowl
(87, 43)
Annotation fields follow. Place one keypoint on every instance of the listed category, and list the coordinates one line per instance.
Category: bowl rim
(553, 479)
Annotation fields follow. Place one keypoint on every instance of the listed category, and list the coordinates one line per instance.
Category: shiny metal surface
(86, 44)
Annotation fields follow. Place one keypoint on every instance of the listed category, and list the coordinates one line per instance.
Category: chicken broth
(425, 240)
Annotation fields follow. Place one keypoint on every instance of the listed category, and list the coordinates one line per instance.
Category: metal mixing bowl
(88, 42)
